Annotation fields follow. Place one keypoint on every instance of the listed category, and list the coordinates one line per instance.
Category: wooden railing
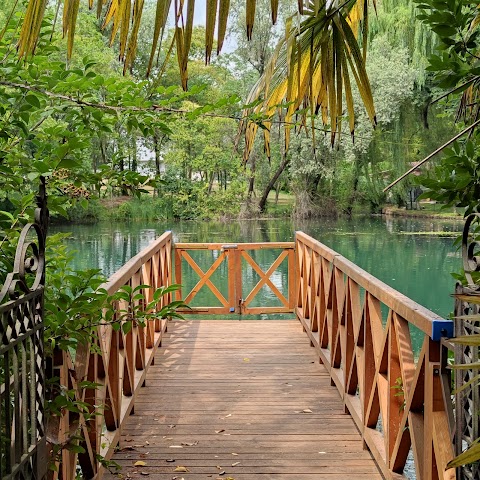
(231, 261)
(117, 363)
(362, 331)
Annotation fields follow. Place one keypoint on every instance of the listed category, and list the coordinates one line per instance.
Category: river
(415, 256)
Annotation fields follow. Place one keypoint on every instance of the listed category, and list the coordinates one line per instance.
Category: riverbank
(426, 211)
(126, 208)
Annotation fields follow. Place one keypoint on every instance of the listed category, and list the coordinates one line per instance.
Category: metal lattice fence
(22, 371)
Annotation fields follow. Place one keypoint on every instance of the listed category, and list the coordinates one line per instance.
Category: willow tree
(322, 52)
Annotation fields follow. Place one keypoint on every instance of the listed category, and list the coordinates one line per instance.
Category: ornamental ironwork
(22, 369)
(467, 398)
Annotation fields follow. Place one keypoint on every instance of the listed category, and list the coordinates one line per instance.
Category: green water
(397, 251)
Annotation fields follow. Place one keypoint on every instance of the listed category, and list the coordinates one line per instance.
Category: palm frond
(311, 72)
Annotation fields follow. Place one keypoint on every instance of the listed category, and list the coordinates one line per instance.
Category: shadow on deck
(240, 400)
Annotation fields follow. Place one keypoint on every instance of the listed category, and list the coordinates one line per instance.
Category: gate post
(22, 366)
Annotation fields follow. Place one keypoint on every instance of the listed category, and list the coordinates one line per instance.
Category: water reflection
(412, 255)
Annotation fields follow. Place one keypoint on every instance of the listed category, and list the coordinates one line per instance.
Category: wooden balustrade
(238, 297)
(362, 331)
(117, 363)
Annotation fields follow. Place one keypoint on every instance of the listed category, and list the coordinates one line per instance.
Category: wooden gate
(231, 278)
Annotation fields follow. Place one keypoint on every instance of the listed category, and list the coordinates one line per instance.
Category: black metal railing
(22, 370)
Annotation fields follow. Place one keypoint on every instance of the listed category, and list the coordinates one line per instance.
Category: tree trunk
(271, 183)
(134, 155)
(251, 183)
(210, 182)
(157, 142)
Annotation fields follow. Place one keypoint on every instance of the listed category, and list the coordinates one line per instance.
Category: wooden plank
(239, 246)
(222, 392)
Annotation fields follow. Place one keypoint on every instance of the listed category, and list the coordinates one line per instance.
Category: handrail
(117, 363)
(395, 400)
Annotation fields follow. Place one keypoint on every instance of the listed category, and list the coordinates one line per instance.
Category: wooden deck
(229, 399)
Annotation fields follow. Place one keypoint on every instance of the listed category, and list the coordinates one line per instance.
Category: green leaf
(470, 455)
(33, 100)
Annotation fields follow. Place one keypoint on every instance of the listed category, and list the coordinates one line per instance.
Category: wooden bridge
(338, 390)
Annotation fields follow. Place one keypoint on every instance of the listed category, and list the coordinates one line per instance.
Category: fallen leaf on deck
(190, 444)
(171, 426)
(236, 454)
(229, 415)
(175, 446)
(139, 464)
(170, 460)
(235, 464)
(307, 410)
(246, 359)
(144, 473)
(181, 469)
(124, 449)
(220, 431)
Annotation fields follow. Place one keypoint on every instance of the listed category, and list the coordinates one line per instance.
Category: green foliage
(456, 180)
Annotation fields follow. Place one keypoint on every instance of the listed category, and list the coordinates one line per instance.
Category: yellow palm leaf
(250, 17)
(312, 70)
(161, 15)
(223, 10)
(210, 28)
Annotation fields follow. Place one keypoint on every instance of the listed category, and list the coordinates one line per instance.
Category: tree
(309, 69)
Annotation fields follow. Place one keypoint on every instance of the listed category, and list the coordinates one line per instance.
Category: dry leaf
(307, 410)
(220, 431)
(181, 469)
(246, 359)
(170, 460)
(139, 464)
(190, 444)
(235, 464)
(229, 415)
(236, 454)
(175, 446)
(144, 473)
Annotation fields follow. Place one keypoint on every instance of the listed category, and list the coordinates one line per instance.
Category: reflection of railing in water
(372, 362)
(22, 369)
